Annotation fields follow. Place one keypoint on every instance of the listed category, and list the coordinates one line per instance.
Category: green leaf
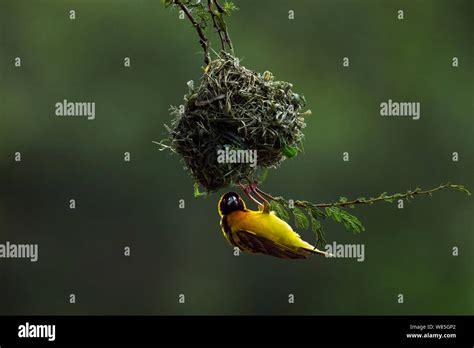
(229, 6)
(289, 151)
(349, 221)
(318, 229)
(280, 210)
(301, 221)
(334, 213)
(315, 224)
(315, 211)
(196, 191)
(352, 223)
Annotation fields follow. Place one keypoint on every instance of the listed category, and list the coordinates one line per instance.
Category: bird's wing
(250, 242)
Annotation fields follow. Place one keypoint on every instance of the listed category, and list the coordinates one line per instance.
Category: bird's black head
(230, 202)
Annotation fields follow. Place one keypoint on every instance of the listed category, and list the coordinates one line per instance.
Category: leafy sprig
(316, 213)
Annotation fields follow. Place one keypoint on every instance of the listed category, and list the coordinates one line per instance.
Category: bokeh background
(408, 251)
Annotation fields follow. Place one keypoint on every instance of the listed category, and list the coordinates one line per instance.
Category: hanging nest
(238, 109)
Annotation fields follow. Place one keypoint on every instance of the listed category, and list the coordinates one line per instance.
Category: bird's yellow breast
(266, 225)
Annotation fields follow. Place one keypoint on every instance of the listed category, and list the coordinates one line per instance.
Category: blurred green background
(135, 204)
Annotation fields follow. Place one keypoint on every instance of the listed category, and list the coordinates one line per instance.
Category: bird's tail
(319, 252)
(313, 250)
(306, 249)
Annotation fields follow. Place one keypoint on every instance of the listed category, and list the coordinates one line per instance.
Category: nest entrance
(235, 108)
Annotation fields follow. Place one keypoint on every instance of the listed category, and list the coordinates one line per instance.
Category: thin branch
(382, 197)
(219, 7)
(216, 26)
(202, 38)
(226, 32)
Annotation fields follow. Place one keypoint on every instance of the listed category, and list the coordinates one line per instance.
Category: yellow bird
(260, 231)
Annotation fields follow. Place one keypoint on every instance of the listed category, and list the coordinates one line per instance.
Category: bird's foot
(251, 189)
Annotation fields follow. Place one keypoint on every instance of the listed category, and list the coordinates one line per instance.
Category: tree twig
(226, 32)
(382, 197)
(216, 26)
(202, 38)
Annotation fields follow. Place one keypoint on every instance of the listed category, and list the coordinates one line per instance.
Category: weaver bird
(260, 231)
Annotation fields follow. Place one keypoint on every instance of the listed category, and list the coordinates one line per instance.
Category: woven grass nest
(238, 109)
